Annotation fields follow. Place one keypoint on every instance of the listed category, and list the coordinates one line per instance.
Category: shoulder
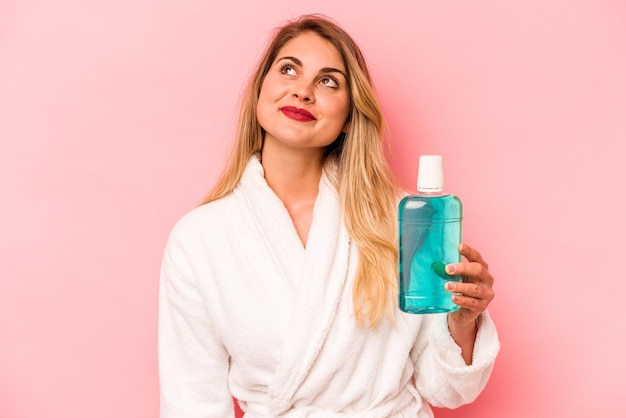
(204, 221)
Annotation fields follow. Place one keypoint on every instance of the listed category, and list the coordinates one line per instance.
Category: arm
(473, 296)
(442, 377)
(193, 364)
(456, 353)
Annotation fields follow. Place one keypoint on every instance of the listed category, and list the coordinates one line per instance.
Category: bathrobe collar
(317, 275)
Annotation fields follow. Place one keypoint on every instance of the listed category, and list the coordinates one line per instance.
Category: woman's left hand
(473, 294)
(475, 291)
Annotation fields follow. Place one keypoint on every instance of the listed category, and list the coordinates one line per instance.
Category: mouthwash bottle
(429, 233)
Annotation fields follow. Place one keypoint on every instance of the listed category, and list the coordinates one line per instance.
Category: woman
(281, 290)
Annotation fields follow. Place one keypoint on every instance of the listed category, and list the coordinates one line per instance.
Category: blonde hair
(366, 187)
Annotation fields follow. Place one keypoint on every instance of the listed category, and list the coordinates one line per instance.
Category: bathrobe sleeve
(442, 378)
(193, 364)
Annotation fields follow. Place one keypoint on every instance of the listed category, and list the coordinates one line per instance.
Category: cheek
(342, 109)
(262, 95)
(262, 113)
(264, 103)
(272, 88)
(269, 95)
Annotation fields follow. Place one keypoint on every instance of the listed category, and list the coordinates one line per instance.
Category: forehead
(312, 49)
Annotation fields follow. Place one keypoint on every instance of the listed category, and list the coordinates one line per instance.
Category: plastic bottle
(429, 234)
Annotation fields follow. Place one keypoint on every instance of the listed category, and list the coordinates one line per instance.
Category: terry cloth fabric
(245, 310)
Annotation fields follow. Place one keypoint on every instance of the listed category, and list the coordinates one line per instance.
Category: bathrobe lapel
(316, 298)
(272, 220)
(317, 276)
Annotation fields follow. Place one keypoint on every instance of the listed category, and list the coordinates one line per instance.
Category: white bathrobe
(247, 311)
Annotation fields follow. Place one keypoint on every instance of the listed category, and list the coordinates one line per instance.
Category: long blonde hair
(366, 187)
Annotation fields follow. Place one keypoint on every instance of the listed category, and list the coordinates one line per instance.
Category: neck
(292, 176)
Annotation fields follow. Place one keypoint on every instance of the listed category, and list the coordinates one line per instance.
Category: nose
(303, 91)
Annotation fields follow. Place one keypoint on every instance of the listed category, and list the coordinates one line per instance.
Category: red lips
(297, 114)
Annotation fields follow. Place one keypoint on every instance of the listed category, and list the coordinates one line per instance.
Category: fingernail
(450, 286)
(451, 268)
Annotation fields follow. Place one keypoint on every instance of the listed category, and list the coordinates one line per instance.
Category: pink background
(115, 118)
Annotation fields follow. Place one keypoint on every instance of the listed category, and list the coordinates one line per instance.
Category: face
(304, 100)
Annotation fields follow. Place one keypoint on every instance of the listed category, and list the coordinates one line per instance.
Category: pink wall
(115, 117)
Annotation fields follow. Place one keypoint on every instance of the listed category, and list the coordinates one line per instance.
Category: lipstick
(298, 114)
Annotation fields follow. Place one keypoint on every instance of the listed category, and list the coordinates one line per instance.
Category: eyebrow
(322, 70)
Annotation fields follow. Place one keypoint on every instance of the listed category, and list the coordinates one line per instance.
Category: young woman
(281, 290)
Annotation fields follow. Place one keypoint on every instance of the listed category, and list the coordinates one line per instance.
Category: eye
(329, 82)
(288, 69)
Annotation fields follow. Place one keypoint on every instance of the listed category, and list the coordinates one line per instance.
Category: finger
(473, 290)
(471, 273)
(476, 291)
(472, 269)
(471, 254)
(471, 304)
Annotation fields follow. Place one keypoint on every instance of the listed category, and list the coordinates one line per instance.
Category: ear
(346, 127)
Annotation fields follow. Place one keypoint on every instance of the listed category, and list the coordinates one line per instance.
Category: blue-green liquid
(430, 233)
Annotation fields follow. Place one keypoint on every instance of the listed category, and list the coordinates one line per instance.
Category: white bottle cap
(430, 174)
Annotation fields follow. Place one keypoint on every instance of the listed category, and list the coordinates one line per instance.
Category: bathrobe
(246, 311)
